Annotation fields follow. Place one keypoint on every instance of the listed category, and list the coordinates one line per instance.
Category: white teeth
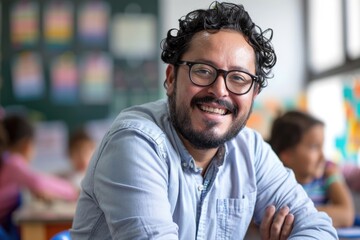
(213, 110)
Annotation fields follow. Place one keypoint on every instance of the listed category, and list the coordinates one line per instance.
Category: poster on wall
(24, 24)
(64, 79)
(339, 108)
(96, 78)
(58, 23)
(133, 36)
(51, 144)
(348, 143)
(93, 23)
(27, 76)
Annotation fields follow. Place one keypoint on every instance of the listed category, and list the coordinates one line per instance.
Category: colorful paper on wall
(64, 79)
(93, 23)
(27, 76)
(51, 144)
(96, 78)
(133, 36)
(348, 144)
(58, 23)
(24, 24)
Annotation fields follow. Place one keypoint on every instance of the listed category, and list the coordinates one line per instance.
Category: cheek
(312, 165)
(301, 161)
(185, 92)
(243, 102)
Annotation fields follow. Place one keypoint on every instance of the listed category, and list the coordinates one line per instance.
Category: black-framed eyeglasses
(203, 75)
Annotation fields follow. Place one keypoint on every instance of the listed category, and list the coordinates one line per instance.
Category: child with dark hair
(16, 174)
(297, 138)
(80, 149)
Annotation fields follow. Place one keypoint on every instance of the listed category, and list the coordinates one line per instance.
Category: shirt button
(184, 164)
(201, 187)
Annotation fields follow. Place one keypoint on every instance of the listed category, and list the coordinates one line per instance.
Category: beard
(204, 139)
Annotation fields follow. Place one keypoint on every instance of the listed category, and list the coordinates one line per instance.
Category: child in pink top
(16, 174)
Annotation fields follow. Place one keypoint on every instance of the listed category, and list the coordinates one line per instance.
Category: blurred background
(78, 63)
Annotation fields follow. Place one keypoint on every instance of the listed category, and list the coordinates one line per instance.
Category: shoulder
(142, 129)
(332, 174)
(331, 169)
(248, 139)
(147, 119)
(249, 134)
(250, 145)
(14, 160)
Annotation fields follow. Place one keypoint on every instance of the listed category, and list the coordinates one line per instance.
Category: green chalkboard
(134, 77)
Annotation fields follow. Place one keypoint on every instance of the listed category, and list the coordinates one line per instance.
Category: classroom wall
(60, 72)
(284, 17)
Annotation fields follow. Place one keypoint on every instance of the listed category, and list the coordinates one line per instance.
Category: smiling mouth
(208, 109)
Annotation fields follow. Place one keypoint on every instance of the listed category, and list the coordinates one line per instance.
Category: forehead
(225, 48)
(315, 133)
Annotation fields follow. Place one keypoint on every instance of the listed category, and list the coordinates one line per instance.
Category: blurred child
(16, 174)
(298, 138)
(80, 149)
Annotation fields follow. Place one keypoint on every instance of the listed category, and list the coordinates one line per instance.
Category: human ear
(256, 90)
(170, 79)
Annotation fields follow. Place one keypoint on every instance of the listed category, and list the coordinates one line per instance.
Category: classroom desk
(349, 233)
(41, 221)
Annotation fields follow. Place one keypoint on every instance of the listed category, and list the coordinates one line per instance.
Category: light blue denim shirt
(143, 184)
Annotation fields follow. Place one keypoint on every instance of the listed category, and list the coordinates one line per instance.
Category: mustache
(208, 99)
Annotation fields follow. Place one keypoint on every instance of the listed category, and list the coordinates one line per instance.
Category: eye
(236, 77)
(239, 78)
(203, 71)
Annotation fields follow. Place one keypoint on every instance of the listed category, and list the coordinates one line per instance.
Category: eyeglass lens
(236, 81)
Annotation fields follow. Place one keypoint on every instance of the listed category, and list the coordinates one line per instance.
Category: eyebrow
(214, 65)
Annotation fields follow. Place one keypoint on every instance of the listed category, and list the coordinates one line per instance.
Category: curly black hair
(221, 16)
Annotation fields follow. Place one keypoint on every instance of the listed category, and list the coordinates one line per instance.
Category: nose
(218, 88)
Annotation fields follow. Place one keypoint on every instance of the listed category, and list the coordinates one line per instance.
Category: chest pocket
(234, 216)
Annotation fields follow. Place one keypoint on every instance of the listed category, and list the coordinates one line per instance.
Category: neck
(202, 157)
(304, 180)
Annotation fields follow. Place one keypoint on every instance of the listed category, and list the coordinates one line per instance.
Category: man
(188, 168)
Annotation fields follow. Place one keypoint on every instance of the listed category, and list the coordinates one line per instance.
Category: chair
(63, 235)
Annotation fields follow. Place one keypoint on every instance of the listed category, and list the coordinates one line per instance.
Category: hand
(41, 196)
(278, 225)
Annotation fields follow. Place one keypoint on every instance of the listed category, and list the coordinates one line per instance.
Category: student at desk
(297, 137)
(80, 149)
(16, 151)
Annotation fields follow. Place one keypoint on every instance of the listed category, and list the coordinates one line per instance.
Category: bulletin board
(78, 61)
